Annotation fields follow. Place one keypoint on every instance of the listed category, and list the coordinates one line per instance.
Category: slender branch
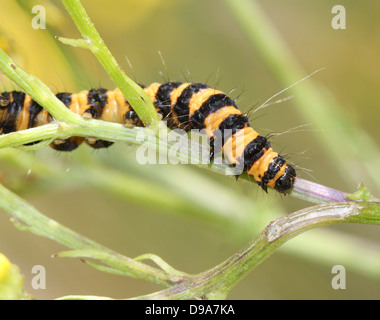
(28, 218)
(303, 189)
(37, 90)
(218, 281)
(316, 193)
(135, 95)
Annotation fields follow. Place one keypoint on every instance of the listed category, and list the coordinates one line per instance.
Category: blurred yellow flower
(5, 265)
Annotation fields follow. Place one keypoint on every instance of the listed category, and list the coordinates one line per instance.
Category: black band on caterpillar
(183, 105)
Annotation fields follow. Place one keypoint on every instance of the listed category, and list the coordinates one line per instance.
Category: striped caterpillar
(184, 105)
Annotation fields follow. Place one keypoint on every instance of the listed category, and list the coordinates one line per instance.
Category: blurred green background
(199, 41)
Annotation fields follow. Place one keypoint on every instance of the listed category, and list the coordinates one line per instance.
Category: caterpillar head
(286, 181)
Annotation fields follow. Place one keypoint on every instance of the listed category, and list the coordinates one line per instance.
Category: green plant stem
(217, 282)
(343, 138)
(212, 284)
(238, 215)
(28, 218)
(303, 189)
(37, 90)
(92, 40)
(42, 94)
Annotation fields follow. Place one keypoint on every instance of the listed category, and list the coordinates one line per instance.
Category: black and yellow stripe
(183, 105)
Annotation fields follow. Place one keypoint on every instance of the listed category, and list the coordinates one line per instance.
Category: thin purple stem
(317, 193)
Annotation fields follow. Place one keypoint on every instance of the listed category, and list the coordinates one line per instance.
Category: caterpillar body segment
(183, 105)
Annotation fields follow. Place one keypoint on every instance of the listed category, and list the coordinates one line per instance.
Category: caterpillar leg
(212, 149)
(97, 143)
(69, 144)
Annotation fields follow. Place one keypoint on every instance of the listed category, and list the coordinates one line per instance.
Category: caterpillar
(184, 105)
